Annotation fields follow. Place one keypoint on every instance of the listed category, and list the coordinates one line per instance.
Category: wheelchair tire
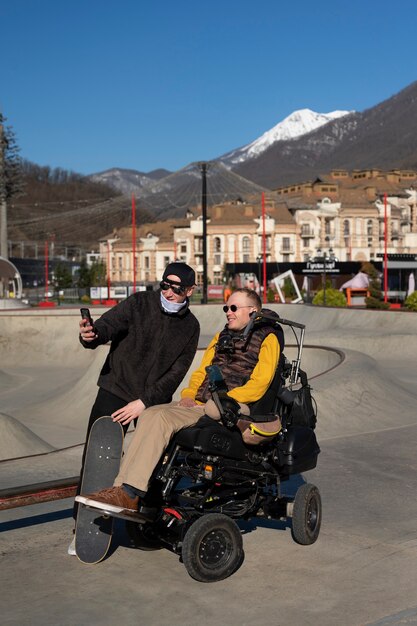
(143, 537)
(212, 548)
(306, 515)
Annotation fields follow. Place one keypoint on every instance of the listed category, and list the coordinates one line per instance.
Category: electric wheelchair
(209, 478)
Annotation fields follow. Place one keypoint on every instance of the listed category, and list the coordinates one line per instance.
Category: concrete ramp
(17, 440)
(48, 381)
(360, 396)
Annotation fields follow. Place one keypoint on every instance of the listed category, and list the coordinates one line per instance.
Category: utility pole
(203, 170)
(3, 204)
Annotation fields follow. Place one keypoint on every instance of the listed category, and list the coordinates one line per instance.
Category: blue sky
(93, 84)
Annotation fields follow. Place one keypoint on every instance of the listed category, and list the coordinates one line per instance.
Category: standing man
(154, 339)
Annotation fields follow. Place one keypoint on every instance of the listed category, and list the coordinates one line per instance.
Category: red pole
(108, 269)
(46, 270)
(264, 246)
(385, 250)
(134, 241)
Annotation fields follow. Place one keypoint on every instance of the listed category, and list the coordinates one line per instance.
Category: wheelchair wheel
(142, 536)
(212, 548)
(306, 515)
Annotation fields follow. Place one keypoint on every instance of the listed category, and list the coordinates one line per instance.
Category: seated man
(248, 364)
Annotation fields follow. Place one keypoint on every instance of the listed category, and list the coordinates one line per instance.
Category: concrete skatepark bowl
(363, 568)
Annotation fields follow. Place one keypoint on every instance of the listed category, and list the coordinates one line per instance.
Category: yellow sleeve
(200, 373)
(262, 374)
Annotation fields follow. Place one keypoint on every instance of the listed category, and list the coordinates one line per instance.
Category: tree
(84, 275)
(374, 300)
(98, 273)
(11, 181)
(63, 277)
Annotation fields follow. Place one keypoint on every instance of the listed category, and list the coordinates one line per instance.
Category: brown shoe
(113, 499)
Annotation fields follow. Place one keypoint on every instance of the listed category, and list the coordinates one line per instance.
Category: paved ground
(362, 570)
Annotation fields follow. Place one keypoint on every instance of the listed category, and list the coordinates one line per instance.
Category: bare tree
(11, 181)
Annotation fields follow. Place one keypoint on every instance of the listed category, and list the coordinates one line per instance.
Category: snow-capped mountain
(295, 125)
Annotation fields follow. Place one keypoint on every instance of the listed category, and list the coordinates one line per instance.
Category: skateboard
(93, 530)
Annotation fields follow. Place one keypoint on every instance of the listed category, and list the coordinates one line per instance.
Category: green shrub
(288, 288)
(86, 299)
(411, 301)
(333, 298)
(270, 295)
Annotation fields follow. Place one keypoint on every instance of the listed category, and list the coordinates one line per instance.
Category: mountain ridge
(383, 136)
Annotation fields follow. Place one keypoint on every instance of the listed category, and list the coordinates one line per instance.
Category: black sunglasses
(234, 308)
(165, 285)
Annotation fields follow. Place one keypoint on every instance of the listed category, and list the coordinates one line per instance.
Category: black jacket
(150, 352)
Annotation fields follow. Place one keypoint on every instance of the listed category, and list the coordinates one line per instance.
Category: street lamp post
(259, 260)
(325, 258)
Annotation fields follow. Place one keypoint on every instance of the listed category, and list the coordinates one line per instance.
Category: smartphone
(86, 315)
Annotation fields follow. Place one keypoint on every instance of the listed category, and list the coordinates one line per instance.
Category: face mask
(171, 307)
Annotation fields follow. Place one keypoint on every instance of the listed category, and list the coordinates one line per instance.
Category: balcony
(307, 232)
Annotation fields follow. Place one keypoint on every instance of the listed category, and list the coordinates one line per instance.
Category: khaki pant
(153, 433)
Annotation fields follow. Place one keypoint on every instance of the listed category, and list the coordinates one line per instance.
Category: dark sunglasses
(165, 285)
(234, 308)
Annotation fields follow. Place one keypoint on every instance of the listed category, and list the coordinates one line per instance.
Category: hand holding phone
(87, 335)
(86, 315)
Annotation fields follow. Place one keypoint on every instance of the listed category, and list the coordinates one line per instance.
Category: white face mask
(171, 307)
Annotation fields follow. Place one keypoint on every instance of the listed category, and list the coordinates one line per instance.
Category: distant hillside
(384, 136)
(65, 206)
(174, 195)
(129, 181)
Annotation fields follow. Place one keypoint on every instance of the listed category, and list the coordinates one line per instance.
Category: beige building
(234, 235)
(346, 212)
(343, 212)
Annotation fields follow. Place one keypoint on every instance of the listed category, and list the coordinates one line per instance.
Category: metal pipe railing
(39, 492)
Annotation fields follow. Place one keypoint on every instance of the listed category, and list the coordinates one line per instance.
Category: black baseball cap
(185, 273)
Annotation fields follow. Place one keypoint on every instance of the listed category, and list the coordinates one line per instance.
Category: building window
(146, 262)
(217, 259)
(198, 245)
(267, 243)
(369, 228)
(217, 244)
(286, 258)
(286, 243)
(346, 228)
(183, 248)
(217, 277)
(245, 258)
(245, 244)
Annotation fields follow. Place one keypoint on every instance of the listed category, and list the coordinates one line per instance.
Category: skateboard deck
(93, 530)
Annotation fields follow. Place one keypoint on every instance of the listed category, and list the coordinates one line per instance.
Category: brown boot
(112, 499)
